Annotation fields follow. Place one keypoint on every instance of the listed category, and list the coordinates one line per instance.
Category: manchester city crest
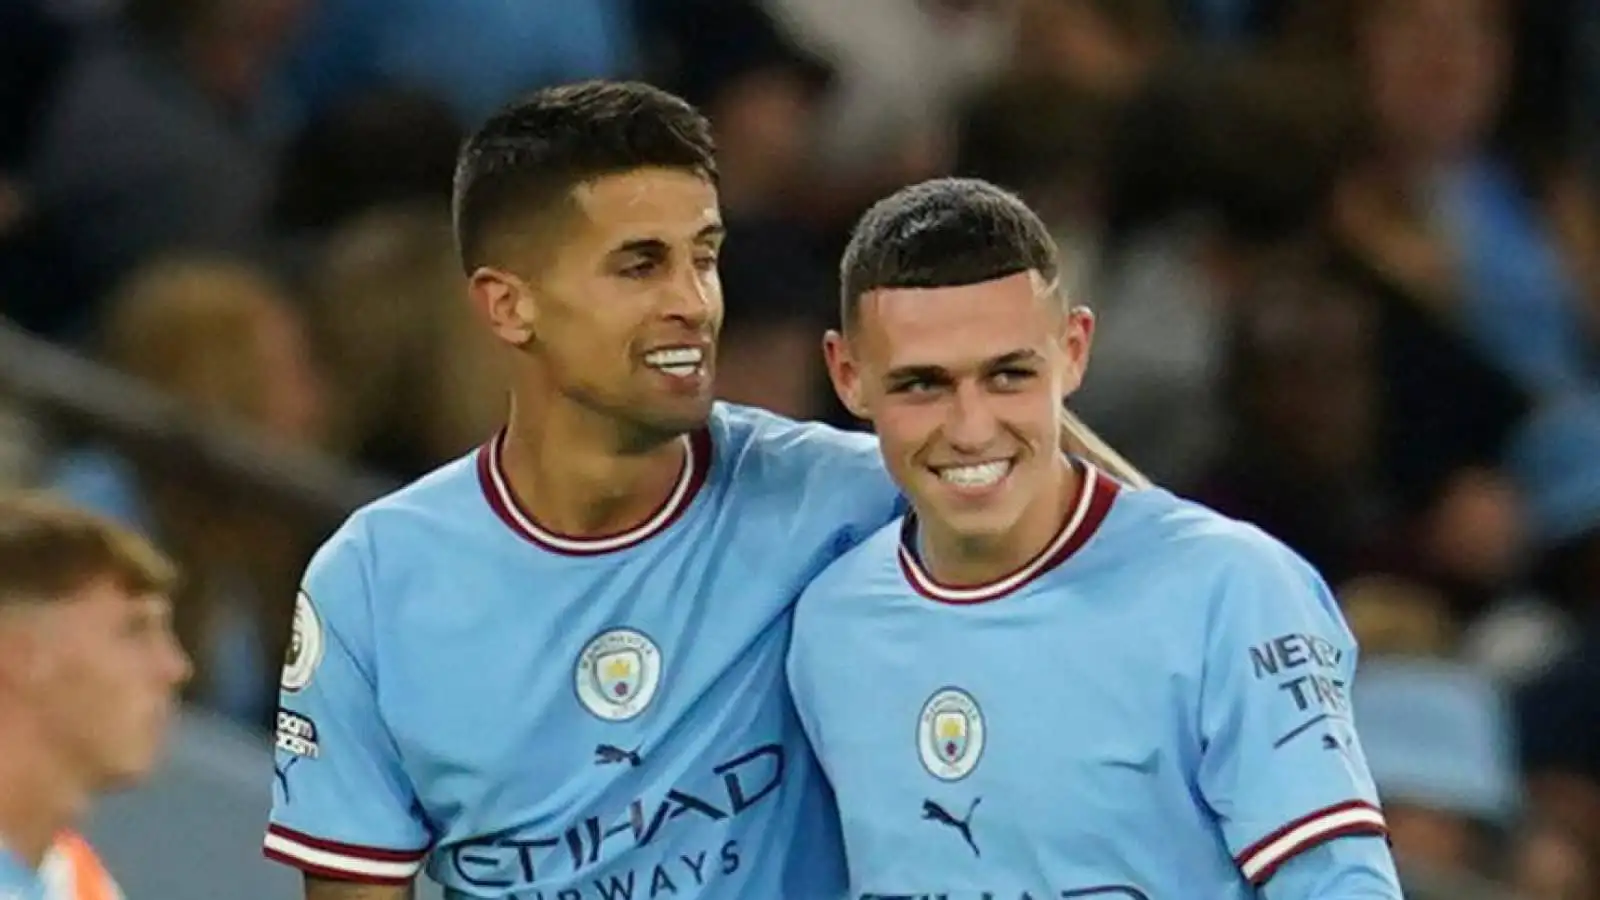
(950, 734)
(305, 646)
(618, 673)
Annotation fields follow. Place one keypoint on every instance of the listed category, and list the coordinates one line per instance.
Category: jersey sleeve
(342, 806)
(835, 476)
(1280, 763)
(1359, 868)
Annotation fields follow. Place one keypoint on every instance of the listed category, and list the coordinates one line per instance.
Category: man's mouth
(975, 476)
(679, 362)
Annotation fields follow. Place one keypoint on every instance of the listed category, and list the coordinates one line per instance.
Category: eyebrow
(1015, 357)
(656, 246)
(927, 372)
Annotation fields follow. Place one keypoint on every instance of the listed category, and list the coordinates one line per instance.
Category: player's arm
(342, 806)
(1079, 439)
(1334, 870)
(1281, 766)
(329, 889)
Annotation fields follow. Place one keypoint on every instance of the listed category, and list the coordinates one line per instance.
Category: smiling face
(623, 313)
(965, 386)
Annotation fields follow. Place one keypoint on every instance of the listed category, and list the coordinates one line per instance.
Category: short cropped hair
(943, 233)
(49, 550)
(534, 151)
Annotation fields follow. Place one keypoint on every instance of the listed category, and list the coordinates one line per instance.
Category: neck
(962, 560)
(38, 797)
(580, 474)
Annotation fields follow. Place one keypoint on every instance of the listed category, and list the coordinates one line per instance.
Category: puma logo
(936, 813)
(280, 773)
(610, 755)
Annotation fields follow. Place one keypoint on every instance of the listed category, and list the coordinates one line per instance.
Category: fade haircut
(531, 154)
(49, 551)
(943, 233)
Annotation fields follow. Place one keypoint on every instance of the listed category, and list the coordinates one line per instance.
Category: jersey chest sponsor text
(656, 844)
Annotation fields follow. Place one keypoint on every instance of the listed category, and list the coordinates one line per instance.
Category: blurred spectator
(1433, 448)
(1557, 460)
(35, 43)
(1549, 863)
(1437, 204)
(904, 68)
(1233, 21)
(1102, 48)
(385, 148)
(20, 443)
(1392, 616)
(1439, 743)
(417, 377)
(1302, 387)
(473, 54)
(148, 145)
(1187, 233)
(224, 340)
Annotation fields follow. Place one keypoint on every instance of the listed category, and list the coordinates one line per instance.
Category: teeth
(686, 358)
(980, 475)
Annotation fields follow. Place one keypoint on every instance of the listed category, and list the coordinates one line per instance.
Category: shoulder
(394, 529)
(1213, 564)
(757, 438)
(441, 501)
(820, 473)
(1172, 530)
(870, 568)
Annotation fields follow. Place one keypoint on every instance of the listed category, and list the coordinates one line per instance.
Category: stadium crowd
(1344, 254)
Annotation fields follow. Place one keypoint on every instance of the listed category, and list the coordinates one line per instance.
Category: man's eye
(1011, 378)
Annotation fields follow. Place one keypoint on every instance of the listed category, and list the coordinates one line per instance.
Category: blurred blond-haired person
(89, 676)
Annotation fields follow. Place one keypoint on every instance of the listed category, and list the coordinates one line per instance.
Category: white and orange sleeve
(73, 871)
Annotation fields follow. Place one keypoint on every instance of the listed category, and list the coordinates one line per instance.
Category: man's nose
(971, 424)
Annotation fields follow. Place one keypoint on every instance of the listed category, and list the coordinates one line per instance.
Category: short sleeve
(1281, 764)
(801, 662)
(342, 806)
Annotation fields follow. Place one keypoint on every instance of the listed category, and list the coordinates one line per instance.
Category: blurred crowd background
(1345, 256)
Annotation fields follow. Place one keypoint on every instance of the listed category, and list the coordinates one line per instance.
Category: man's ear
(1074, 340)
(845, 372)
(507, 303)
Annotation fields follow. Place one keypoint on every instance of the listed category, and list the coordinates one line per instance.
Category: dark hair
(943, 233)
(532, 152)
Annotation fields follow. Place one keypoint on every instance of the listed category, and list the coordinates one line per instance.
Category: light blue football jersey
(540, 717)
(1154, 707)
(17, 880)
